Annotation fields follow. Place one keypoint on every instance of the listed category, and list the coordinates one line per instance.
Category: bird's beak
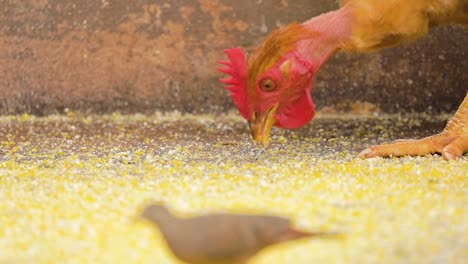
(261, 125)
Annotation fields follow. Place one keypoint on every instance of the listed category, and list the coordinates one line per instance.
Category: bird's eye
(268, 85)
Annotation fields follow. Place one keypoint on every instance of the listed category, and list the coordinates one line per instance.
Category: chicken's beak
(261, 125)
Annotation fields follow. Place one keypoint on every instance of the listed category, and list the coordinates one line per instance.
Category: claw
(448, 156)
(363, 154)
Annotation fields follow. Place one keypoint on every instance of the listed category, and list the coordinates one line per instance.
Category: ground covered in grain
(71, 187)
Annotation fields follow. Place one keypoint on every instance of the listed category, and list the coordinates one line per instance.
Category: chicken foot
(452, 142)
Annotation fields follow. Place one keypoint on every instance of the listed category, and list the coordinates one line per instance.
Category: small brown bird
(221, 238)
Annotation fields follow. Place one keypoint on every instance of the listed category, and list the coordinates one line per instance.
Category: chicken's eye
(268, 85)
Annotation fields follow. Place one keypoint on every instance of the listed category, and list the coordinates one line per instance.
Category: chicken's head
(273, 87)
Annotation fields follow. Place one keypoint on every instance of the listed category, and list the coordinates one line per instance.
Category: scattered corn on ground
(71, 187)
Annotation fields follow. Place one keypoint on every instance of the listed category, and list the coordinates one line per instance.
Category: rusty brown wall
(108, 55)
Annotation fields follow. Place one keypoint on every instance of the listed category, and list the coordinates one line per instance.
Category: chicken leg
(452, 142)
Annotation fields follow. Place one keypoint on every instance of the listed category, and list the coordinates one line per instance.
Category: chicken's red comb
(237, 84)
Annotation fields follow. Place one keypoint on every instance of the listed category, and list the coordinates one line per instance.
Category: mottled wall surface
(142, 56)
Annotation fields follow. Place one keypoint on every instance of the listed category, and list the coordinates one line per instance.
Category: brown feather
(379, 24)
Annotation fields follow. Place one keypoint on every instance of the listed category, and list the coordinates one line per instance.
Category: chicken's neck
(333, 32)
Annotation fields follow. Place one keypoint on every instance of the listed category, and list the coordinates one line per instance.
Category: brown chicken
(222, 238)
(272, 87)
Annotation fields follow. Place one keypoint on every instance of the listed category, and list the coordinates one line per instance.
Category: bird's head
(157, 213)
(272, 87)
